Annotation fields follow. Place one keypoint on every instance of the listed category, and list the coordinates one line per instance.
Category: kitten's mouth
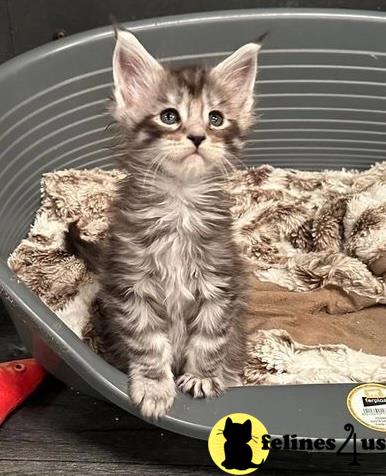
(194, 163)
(195, 156)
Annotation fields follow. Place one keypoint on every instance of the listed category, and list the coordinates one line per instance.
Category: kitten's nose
(196, 139)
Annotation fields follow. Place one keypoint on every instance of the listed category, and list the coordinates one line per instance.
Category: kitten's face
(188, 121)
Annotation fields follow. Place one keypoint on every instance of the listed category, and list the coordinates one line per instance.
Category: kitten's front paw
(200, 387)
(154, 398)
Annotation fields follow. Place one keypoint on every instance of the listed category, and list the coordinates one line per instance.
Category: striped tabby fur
(172, 284)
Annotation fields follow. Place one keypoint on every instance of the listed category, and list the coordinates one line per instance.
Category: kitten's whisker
(229, 163)
(157, 162)
(149, 173)
(160, 160)
(226, 167)
(224, 170)
(146, 149)
(240, 160)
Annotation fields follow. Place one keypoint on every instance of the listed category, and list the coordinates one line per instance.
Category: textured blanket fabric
(306, 230)
(325, 335)
(316, 243)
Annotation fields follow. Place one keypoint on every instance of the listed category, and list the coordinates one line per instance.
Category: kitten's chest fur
(177, 259)
(181, 225)
(186, 222)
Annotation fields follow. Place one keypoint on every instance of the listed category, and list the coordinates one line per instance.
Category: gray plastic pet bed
(322, 104)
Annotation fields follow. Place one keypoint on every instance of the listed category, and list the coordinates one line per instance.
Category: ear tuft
(238, 72)
(135, 71)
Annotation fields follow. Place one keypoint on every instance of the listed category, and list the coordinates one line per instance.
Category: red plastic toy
(18, 379)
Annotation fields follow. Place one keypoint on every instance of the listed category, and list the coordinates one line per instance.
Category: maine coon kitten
(172, 284)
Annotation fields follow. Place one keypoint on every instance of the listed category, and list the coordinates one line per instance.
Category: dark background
(25, 24)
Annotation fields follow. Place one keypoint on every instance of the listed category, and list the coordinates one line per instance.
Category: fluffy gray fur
(172, 283)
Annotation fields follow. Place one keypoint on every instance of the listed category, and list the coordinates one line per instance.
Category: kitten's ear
(238, 72)
(135, 71)
(247, 425)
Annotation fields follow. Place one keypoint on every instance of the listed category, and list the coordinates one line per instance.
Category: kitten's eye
(216, 118)
(170, 116)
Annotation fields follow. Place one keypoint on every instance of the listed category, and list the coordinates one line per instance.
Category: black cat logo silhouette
(238, 454)
(235, 444)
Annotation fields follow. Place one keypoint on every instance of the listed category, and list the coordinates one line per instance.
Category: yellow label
(235, 444)
(367, 404)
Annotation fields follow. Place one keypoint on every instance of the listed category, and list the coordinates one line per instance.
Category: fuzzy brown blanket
(316, 243)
